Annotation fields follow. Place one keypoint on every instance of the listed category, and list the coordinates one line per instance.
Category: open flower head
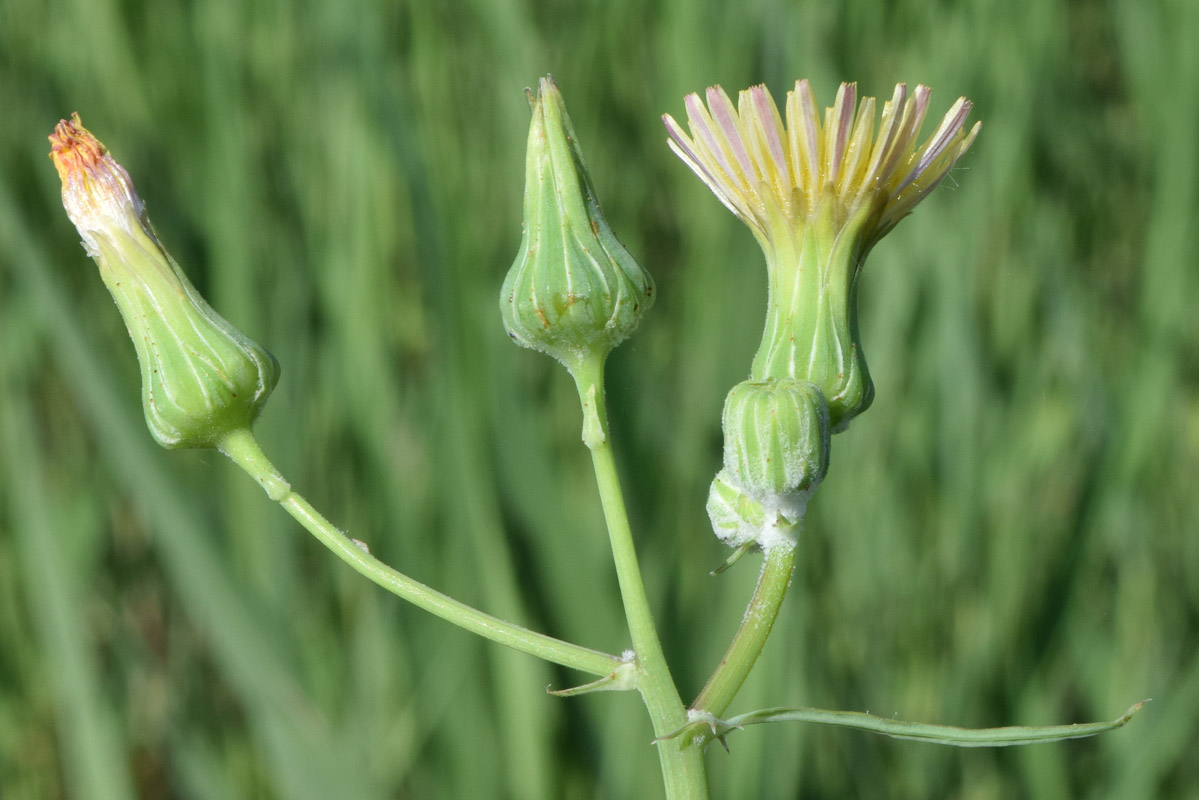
(818, 193)
(767, 171)
(201, 377)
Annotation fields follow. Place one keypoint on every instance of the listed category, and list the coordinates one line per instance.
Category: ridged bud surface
(574, 290)
(776, 436)
(811, 331)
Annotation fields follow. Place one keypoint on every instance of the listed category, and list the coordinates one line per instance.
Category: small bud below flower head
(776, 436)
(574, 291)
(776, 450)
(201, 377)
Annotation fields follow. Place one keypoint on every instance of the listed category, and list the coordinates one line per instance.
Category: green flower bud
(574, 291)
(776, 436)
(201, 378)
(776, 450)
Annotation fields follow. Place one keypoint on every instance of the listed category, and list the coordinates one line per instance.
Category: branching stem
(682, 769)
(243, 448)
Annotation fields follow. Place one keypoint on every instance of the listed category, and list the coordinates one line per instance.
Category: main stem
(682, 769)
(243, 448)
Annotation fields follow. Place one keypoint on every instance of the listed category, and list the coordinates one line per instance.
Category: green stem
(242, 447)
(682, 770)
(751, 636)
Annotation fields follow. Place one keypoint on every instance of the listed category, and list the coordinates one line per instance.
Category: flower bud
(201, 377)
(776, 449)
(776, 436)
(574, 291)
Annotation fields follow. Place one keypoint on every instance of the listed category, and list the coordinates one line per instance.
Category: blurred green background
(1007, 537)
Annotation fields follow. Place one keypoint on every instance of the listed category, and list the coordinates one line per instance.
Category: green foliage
(1008, 537)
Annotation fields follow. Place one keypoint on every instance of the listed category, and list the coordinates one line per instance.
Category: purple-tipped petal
(726, 117)
(807, 132)
(712, 183)
(682, 140)
(857, 151)
(768, 120)
(843, 110)
(888, 132)
(703, 128)
(908, 125)
(950, 127)
(770, 172)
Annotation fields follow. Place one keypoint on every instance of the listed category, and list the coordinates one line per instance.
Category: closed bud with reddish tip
(201, 377)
